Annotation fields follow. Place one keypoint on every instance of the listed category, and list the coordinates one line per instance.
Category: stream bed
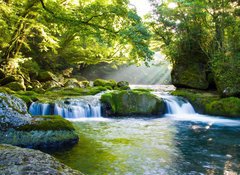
(173, 144)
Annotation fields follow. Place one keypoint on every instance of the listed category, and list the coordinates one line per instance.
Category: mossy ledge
(211, 103)
(43, 132)
(131, 102)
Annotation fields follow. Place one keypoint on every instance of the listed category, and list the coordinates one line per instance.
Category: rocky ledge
(22, 161)
(18, 127)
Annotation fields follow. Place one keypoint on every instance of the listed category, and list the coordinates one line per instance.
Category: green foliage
(48, 123)
(204, 33)
(58, 34)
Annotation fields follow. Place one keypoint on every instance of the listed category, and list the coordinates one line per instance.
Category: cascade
(177, 105)
(84, 107)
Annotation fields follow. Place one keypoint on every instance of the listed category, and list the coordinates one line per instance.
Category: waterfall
(177, 105)
(40, 109)
(84, 107)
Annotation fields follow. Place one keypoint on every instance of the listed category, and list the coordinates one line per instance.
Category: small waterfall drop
(84, 107)
(177, 105)
(40, 109)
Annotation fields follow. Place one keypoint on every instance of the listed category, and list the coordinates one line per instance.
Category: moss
(105, 83)
(189, 74)
(45, 123)
(6, 90)
(210, 103)
(27, 96)
(124, 103)
(16, 86)
(143, 90)
(225, 107)
(54, 94)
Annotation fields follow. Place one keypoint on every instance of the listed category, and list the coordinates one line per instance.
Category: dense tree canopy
(201, 31)
(65, 32)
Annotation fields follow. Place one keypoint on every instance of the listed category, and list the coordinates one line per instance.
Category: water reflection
(154, 147)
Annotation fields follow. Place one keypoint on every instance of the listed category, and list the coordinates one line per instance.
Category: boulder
(13, 112)
(36, 84)
(72, 83)
(7, 80)
(190, 75)
(46, 76)
(43, 132)
(17, 127)
(127, 103)
(20, 161)
(67, 72)
(16, 86)
(84, 84)
(105, 83)
(51, 84)
(123, 85)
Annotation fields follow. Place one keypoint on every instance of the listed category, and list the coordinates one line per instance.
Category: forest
(200, 38)
(54, 98)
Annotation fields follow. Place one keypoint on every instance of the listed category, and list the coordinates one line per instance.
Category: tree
(55, 29)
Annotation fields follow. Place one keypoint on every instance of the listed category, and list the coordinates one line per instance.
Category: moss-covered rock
(46, 76)
(51, 84)
(17, 127)
(45, 123)
(16, 161)
(122, 85)
(211, 103)
(8, 80)
(190, 75)
(16, 86)
(84, 84)
(105, 83)
(72, 83)
(127, 103)
(42, 132)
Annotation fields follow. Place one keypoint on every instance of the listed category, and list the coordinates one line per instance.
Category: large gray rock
(21, 161)
(13, 112)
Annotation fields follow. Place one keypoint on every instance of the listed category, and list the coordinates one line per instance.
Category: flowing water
(82, 107)
(181, 142)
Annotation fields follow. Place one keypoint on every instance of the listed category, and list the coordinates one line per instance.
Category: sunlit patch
(172, 5)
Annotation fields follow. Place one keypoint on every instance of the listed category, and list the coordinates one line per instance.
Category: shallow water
(169, 145)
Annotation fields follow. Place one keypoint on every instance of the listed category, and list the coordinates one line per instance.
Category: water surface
(168, 145)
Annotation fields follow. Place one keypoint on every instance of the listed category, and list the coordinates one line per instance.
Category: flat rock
(22, 161)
